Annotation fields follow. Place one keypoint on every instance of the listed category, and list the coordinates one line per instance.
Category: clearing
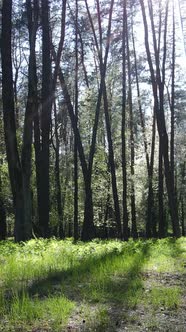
(51, 285)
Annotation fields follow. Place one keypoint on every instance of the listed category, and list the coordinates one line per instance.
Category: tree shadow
(86, 269)
(92, 283)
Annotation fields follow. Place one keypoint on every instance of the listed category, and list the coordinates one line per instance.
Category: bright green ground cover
(47, 285)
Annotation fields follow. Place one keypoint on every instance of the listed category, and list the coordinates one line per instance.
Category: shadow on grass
(94, 271)
(113, 279)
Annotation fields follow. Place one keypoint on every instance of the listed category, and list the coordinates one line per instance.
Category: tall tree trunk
(57, 178)
(31, 108)
(107, 118)
(112, 164)
(150, 199)
(132, 151)
(160, 197)
(14, 165)
(142, 120)
(158, 83)
(45, 119)
(76, 232)
(173, 101)
(37, 149)
(149, 160)
(88, 231)
(123, 126)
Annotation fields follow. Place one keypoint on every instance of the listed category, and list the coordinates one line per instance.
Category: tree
(14, 163)
(132, 150)
(76, 231)
(123, 126)
(158, 87)
(3, 227)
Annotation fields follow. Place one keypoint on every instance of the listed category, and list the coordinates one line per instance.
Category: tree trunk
(106, 108)
(14, 165)
(57, 179)
(183, 226)
(88, 231)
(3, 226)
(132, 150)
(150, 199)
(31, 108)
(87, 170)
(157, 83)
(123, 126)
(88, 225)
(160, 196)
(45, 119)
(76, 230)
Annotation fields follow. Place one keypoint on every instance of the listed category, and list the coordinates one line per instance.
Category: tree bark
(57, 178)
(45, 120)
(31, 108)
(132, 150)
(76, 227)
(172, 139)
(14, 164)
(158, 86)
(3, 226)
(160, 197)
(88, 230)
(107, 118)
(123, 126)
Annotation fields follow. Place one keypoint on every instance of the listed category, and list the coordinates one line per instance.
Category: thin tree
(56, 147)
(123, 126)
(148, 156)
(31, 108)
(172, 139)
(132, 150)
(103, 91)
(14, 164)
(46, 107)
(158, 88)
(88, 231)
(76, 232)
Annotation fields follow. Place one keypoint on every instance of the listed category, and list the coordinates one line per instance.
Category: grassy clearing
(49, 285)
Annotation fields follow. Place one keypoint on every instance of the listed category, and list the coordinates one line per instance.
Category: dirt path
(160, 319)
(143, 317)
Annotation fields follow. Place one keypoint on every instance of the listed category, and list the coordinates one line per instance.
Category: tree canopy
(92, 119)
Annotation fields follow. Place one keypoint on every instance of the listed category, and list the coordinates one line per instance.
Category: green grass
(45, 282)
(168, 298)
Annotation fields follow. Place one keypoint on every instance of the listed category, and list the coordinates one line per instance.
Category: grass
(47, 284)
(168, 298)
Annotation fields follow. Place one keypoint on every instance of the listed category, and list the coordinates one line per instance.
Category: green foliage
(43, 282)
(167, 255)
(168, 298)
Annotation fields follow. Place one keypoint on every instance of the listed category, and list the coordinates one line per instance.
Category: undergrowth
(43, 282)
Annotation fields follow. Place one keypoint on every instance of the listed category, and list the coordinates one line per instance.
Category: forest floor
(111, 286)
(142, 317)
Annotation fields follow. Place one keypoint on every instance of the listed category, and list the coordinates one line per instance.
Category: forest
(92, 165)
(92, 120)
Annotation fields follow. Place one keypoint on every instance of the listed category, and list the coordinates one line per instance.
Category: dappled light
(108, 280)
(93, 166)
